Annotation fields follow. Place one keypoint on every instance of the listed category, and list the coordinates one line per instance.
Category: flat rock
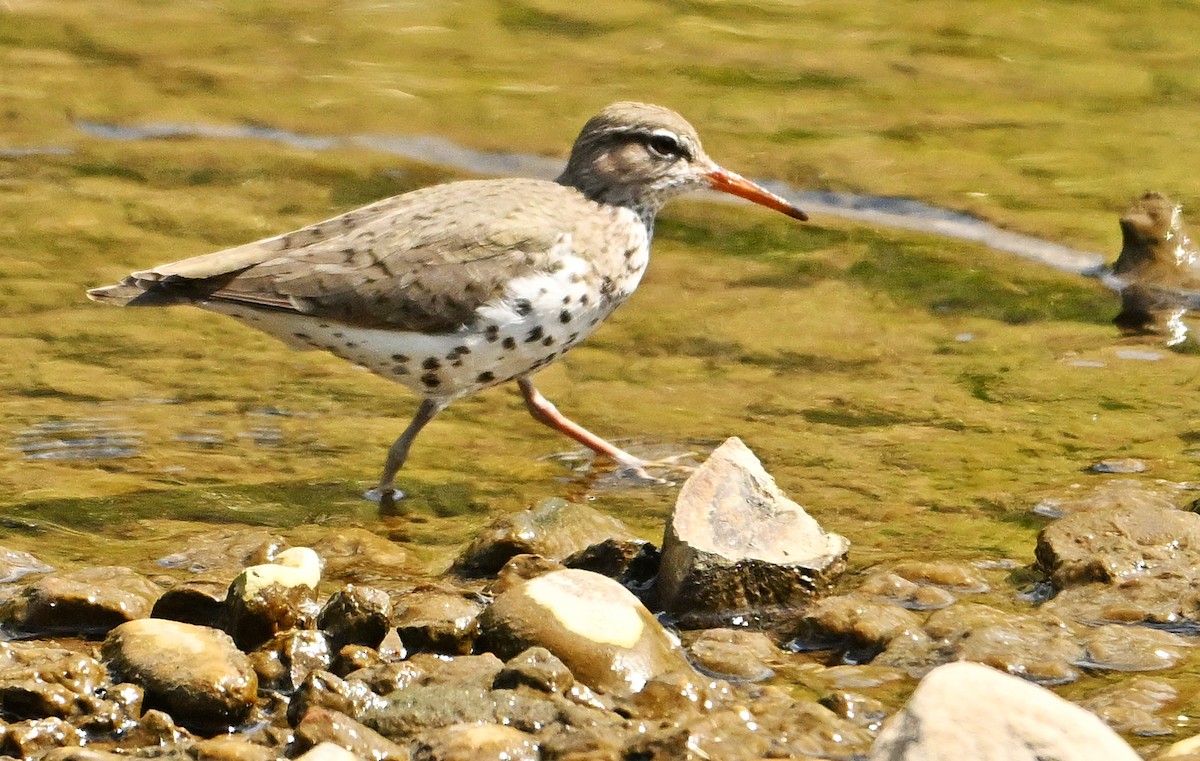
(968, 711)
(87, 602)
(322, 725)
(436, 620)
(193, 672)
(476, 742)
(555, 529)
(596, 627)
(735, 543)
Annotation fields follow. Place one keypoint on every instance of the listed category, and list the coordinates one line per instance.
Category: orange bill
(735, 184)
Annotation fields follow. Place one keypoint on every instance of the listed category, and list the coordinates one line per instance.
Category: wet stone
(223, 554)
(596, 627)
(356, 556)
(438, 621)
(1116, 544)
(1133, 648)
(632, 562)
(1137, 706)
(1123, 465)
(193, 672)
(969, 711)
(38, 682)
(199, 601)
(322, 725)
(555, 529)
(864, 711)
(321, 689)
(735, 544)
(734, 654)
(954, 577)
(230, 749)
(470, 742)
(1116, 493)
(356, 615)
(35, 737)
(1166, 601)
(286, 660)
(537, 668)
(892, 588)
(265, 600)
(16, 565)
(86, 602)
(854, 622)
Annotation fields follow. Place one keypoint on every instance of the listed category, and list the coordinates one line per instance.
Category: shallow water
(919, 394)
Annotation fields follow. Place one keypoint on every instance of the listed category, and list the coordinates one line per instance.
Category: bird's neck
(645, 205)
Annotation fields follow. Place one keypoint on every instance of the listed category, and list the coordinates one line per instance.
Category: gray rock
(736, 544)
(607, 639)
(86, 602)
(537, 668)
(734, 654)
(969, 711)
(193, 672)
(1136, 706)
(321, 689)
(356, 556)
(322, 725)
(16, 565)
(555, 529)
(222, 554)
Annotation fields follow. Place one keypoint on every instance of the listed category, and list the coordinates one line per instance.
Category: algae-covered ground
(916, 394)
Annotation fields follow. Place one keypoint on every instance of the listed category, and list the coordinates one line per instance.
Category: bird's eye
(664, 147)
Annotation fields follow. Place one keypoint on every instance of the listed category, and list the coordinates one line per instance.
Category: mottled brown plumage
(457, 287)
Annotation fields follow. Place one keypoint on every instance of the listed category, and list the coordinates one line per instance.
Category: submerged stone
(736, 545)
(87, 602)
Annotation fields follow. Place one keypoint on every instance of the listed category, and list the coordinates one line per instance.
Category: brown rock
(193, 672)
(434, 620)
(736, 544)
(199, 601)
(356, 615)
(607, 639)
(322, 725)
(223, 553)
(287, 659)
(476, 742)
(322, 689)
(555, 529)
(1157, 267)
(16, 565)
(86, 602)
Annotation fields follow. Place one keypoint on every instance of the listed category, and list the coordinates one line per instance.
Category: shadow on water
(901, 213)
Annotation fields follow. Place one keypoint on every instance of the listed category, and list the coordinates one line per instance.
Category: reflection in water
(86, 439)
(887, 212)
(1157, 271)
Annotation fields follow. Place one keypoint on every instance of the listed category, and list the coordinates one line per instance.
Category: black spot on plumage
(564, 316)
(303, 336)
(583, 299)
(431, 363)
(431, 380)
(571, 338)
(510, 343)
(534, 335)
(522, 306)
(400, 369)
(339, 334)
(399, 357)
(548, 341)
(485, 377)
(492, 332)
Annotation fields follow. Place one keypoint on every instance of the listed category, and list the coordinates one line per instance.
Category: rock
(864, 711)
(322, 725)
(969, 711)
(471, 742)
(288, 658)
(463, 671)
(1133, 648)
(328, 751)
(321, 689)
(555, 529)
(1037, 646)
(356, 615)
(1135, 706)
(193, 672)
(855, 622)
(265, 600)
(433, 620)
(1156, 270)
(16, 565)
(222, 554)
(357, 556)
(86, 602)
(229, 749)
(33, 738)
(891, 588)
(1130, 494)
(39, 682)
(419, 707)
(1117, 544)
(1122, 465)
(736, 544)
(518, 570)
(607, 639)
(734, 654)
(156, 728)
(955, 577)
(537, 668)
(200, 602)
(633, 563)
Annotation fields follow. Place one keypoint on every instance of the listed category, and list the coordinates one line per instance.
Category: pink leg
(544, 412)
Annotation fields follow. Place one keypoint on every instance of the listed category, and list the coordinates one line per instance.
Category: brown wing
(420, 261)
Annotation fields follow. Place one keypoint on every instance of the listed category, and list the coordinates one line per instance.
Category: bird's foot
(676, 467)
(386, 497)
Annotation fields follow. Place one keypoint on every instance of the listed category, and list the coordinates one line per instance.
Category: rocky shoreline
(559, 634)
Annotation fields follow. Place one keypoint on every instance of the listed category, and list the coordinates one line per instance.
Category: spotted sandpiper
(457, 287)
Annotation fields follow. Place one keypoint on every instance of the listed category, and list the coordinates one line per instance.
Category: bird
(454, 288)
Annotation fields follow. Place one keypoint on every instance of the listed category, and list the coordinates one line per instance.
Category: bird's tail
(132, 293)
